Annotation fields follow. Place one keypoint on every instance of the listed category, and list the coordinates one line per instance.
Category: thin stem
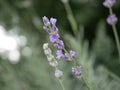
(116, 39)
(74, 63)
(71, 17)
(110, 11)
(114, 76)
(86, 84)
(115, 34)
(63, 88)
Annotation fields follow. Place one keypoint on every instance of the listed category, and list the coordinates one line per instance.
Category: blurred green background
(23, 65)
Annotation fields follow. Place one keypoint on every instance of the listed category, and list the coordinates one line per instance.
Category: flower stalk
(112, 20)
(115, 34)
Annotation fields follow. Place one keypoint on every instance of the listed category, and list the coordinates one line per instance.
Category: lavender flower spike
(109, 3)
(112, 19)
(53, 21)
(52, 61)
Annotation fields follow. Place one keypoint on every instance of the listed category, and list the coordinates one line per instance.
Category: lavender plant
(84, 70)
(52, 30)
(112, 20)
(61, 53)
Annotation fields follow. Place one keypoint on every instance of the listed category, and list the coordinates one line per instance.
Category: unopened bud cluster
(52, 61)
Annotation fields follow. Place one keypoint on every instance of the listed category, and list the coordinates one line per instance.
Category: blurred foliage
(94, 44)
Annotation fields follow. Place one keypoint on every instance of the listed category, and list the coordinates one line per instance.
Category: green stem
(71, 17)
(116, 39)
(115, 34)
(86, 84)
(110, 11)
(63, 88)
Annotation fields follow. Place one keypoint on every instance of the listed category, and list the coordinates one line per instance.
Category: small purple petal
(73, 54)
(77, 71)
(55, 29)
(112, 19)
(109, 3)
(59, 44)
(59, 54)
(46, 20)
(53, 21)
(54, 37)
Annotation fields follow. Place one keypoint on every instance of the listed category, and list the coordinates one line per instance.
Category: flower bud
(58, 73)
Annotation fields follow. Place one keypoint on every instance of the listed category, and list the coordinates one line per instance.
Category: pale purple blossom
(109, 3)
(46, 21)
(73, 54)
(59, 44)
(53, 21)
(59, 54)
(54, 37)
(77, 71)
(52, 61)
(55, 29)
(112, 19)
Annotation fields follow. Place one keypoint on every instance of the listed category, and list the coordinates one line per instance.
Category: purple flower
(109, 3)
(73, 54)
(59, 44)
(54, 37)
(46, 21)
(55, 29)
(53, 21)
(66, 57)
(112, 19)
(77, 71)
(59, 54)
